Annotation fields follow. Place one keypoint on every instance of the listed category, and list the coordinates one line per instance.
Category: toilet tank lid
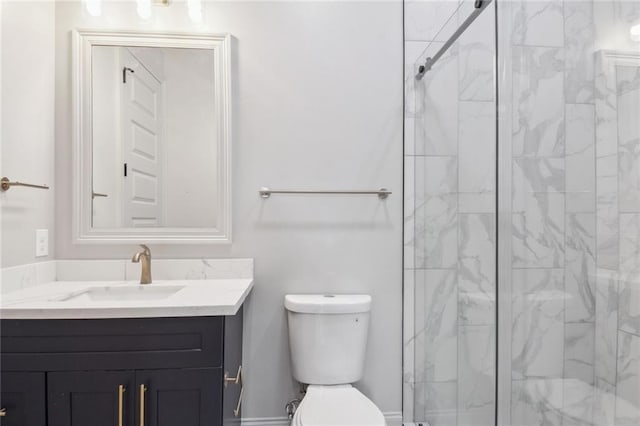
(328, 303)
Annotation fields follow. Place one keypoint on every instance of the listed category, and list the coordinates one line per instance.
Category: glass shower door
(522, 186)
(450, 231)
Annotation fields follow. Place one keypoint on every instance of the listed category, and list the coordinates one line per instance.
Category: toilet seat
(337, 405)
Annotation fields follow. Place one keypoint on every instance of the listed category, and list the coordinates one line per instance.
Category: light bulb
(144, 9)
(634, 32)
(94, 7)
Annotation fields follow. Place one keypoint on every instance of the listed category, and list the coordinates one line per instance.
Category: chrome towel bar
(382, 193)
(5, 184)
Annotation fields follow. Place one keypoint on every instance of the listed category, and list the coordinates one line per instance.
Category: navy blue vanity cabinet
(96, 398)
(22, 399)
(122, 372)
(179, 397)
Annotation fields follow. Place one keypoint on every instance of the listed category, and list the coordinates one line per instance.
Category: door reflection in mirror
(154, 137)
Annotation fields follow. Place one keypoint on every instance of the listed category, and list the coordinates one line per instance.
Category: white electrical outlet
(42, 242)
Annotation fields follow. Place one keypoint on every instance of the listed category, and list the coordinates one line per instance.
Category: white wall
(107, 161)
(190, 172)
(317, 96)
(27, 62)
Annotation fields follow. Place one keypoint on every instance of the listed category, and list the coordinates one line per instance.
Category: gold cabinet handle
(3, 412)
(235, 380)
(121, 390)
(143, 390)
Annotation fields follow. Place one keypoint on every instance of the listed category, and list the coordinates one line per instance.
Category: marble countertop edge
(210, 297)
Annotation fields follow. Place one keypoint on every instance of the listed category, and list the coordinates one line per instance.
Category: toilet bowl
(336, 405)
(328, 339)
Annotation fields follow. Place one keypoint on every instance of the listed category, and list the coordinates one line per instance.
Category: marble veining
(439, 401)
(604, 404)
(538, 23)
(578, 402)
(580, 158)
(538, 99)
(627, 389)
(538, 323)
(477, 141)
(476, 60)
(476, 266)
(579, 37)
(436, 342)
(607, 213)
(606, 106)
(436, 232)
(436, 212)
(537, 402)
(476, 369)
(579, 351)
(580, 267)
(533, 176)
(538, 232)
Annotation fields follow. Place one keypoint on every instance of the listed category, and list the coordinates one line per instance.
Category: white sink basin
(122, 293)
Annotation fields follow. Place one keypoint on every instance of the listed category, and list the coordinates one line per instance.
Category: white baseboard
(393, 419)
(266, 421)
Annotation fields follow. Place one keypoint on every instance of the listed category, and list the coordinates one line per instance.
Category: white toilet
(328, 339)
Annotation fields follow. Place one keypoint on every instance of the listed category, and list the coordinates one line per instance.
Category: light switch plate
(42, 242)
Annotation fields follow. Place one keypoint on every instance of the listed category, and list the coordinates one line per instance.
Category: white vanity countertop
(120, 299)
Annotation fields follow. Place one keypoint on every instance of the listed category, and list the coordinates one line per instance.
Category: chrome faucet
(145, 255)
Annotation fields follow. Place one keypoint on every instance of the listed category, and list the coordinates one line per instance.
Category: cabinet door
(22, 399)
(96, 398)
(185, 397)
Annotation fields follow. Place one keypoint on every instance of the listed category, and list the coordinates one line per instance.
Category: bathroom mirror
(152, 148)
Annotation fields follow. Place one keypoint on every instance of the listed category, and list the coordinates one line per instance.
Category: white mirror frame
(83, 232)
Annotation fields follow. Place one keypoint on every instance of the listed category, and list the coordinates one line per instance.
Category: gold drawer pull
(3, 412)
(143, 390)
(236, 380)
(120, 405)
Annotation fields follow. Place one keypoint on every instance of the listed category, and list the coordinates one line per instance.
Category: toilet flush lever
(236, 380)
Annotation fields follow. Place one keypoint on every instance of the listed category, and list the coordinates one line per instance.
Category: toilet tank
(327, 336)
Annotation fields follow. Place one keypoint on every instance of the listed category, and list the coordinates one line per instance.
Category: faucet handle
(146, 249)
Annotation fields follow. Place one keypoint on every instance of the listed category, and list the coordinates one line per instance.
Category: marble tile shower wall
(554, 213)
(450, 222)
(571, 355)
(617, 367)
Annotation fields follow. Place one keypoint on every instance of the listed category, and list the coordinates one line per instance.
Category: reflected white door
(142, 143)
